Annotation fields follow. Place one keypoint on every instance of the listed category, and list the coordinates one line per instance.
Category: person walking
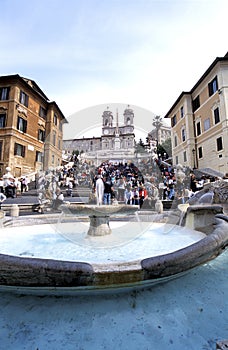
(142, 195)
(121, 188)
(135, 199)
(99, 190)
(108, 190)
(128, 195)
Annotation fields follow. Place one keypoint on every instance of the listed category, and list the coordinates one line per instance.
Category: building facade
(199, 121)
(117, 138)
(30, 127)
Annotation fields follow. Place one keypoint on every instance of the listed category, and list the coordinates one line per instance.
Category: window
(19, 150)
(39, 156)
(2, 120)
(200, 152)
(53, 159)
(60, 142)
(198, 128)
(207, 124)
(24, 98)
(182, 112)
(183, 135)
(60, 126)
(175, 141)
(196, 103)
(128, 121)
(216, 115)
(176, 159)
(173, 120)
(213, 86)
(4, 93)
(55, 119)
(21, 124)
(42, 112)
(219, 144)
(54, 138)
(41, 135)
(185, 156)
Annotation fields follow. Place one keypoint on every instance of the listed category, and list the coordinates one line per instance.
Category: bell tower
(128, 116)
(107, 118)
(107, 122)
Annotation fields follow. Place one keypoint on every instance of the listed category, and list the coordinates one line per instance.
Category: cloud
(88, 52)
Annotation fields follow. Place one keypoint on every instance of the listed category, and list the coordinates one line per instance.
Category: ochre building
(199, 121)
(30, 127)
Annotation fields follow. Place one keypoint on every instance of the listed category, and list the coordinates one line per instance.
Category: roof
(83, 138)
(32, 85)
(35, 87)
(176, 102)
(218, 59)
(59, 110)
(29, 83)
(208, 171)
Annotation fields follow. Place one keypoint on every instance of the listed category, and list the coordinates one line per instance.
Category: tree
(75, 152)
(165, 147)
(140, 147)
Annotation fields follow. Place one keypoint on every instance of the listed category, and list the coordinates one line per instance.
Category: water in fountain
(68, 240)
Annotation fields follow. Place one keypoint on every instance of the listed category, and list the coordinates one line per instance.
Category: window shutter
(26, 100)
(23, 151)
(25, 126)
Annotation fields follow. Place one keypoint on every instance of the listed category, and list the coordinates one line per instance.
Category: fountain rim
(48, 274)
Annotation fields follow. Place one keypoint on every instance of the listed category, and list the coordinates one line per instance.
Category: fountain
(91, 248)
(165, 251)
(176, 314)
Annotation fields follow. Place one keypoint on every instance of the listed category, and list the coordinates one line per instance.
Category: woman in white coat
(99, 190)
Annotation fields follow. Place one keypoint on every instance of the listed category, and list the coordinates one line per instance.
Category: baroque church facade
(114, 136)
(117, 140)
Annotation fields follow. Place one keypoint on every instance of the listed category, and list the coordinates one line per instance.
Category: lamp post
(193, 154)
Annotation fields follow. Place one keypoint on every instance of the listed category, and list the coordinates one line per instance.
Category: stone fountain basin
(43, 276)
(98, 210)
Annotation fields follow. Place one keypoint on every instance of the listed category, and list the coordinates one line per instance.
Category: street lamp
(193, 153)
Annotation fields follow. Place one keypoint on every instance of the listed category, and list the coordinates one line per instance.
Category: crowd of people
(119, 183)
(126, 183)
(11, 186)
(111, 182)
(122, 182)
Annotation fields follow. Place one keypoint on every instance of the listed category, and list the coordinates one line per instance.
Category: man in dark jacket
(108, 189)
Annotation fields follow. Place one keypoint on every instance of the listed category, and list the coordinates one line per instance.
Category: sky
(85, 53)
